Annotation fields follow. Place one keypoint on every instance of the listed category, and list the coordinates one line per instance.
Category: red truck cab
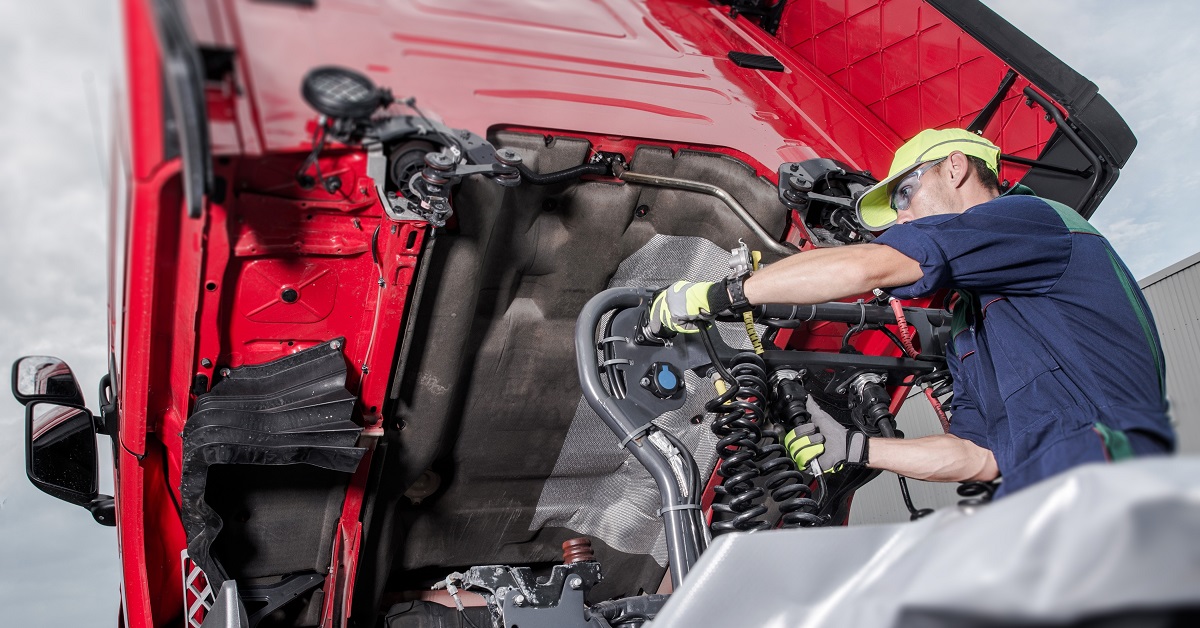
(350, 239)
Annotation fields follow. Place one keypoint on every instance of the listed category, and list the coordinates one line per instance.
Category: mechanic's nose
(903, 216)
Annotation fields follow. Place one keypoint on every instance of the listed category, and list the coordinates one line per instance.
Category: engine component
(577, 550)
(823, 192)
(760, 485)
(663, 380)
(517, 598)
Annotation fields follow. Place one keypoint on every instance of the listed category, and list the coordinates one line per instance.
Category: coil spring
(739, 411)
(789, 490)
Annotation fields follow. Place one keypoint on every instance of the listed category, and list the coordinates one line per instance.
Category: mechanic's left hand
(682, 306)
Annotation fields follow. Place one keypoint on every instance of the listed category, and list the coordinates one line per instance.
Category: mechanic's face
(927, 192)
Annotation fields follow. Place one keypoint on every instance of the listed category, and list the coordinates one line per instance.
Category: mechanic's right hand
(831, 444)
(681, 307)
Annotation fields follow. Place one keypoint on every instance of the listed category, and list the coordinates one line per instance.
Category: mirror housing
(45, 378)
(61, 456)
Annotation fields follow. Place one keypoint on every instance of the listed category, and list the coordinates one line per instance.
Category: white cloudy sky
(57, 568)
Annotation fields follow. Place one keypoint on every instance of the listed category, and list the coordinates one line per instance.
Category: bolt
(225, 372)
(519, 600)
(289, 295)
(381, 282)
(508, 156)
(795, 167)
(799, 184)
(575, 582)
(439, 161)
(336, 344)
(205, 362)
(645, 381)
(332, 184)
(697, 419)
(641, 210)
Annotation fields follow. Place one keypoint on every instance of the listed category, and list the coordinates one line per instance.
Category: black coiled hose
(740, 410)
(976, 493)
(788, 486)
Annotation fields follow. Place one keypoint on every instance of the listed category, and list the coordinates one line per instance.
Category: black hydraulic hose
(885, 422)
(849, 313)
(599, 168)
(675, 511)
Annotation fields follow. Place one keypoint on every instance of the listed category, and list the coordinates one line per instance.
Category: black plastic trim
(756, 62)
(294, 410)
(183, 76)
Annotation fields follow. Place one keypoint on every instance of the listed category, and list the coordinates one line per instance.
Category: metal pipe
(711, 190)
(676, 521)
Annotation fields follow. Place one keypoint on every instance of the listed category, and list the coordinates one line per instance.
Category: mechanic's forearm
(939, 458)
(824, 275)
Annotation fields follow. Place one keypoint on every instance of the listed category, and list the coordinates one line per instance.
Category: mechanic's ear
(957, 168)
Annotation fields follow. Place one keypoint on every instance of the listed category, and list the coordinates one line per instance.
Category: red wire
(906, 340)
(937, 408)
(905, 332)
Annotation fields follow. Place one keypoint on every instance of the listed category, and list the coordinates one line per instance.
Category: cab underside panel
(490, 388)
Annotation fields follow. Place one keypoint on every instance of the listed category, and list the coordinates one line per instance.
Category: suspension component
(577, 550)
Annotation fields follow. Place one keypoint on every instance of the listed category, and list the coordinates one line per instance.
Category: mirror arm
(103, 509)
(108, 418)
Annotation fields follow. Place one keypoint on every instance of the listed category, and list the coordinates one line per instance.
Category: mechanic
(1054, 354)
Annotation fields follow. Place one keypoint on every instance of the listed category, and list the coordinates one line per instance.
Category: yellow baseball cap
(875, 207)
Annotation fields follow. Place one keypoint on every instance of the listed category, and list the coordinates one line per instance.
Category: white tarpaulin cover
(1101, 539)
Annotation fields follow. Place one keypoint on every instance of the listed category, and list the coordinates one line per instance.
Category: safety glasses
(907, 188)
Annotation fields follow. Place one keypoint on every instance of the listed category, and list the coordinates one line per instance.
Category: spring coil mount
(740, 411)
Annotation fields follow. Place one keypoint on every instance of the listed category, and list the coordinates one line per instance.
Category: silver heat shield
(597, 488)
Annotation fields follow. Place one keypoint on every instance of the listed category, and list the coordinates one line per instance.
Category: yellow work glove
(681, 307)
(828, 442)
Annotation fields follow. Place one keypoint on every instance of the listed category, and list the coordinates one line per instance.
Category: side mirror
(45, 378)
(60, 456)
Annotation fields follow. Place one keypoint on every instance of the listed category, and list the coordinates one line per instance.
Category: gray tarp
(1099, 539)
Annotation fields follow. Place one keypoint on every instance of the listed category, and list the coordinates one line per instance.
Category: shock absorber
(741, 413)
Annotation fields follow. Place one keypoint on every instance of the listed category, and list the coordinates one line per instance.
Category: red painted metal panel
(913, 68)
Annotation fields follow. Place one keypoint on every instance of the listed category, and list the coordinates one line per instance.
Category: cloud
(1141, 56)
(57, 566)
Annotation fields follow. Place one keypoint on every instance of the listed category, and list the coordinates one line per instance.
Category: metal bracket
(521, 599)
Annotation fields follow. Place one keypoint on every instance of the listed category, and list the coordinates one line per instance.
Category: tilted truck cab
(355, 240)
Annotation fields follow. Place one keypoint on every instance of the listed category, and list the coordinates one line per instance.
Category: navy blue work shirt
(1053, 343)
